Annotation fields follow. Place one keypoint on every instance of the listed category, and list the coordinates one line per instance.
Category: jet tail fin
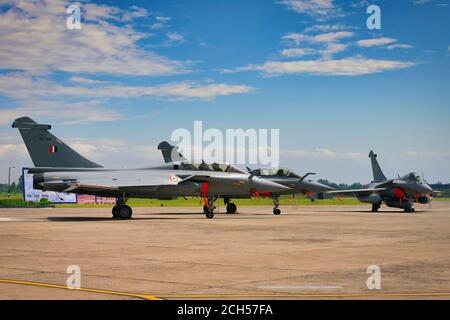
(378, 174)
(170, 153)
(46, 150)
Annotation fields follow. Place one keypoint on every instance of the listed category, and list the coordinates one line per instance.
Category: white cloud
(327, 42)
(323, 153)
(375, 42)
(95, 12)
(333, 48)
(12, 149)
(86, 80)
(421, 2)
(329, 50)
(312, 7)
(344, 67)
(71, 112)
(298, 52)
(327, 27)
(26, 87)
(87, 101)
(174, 36)
(160, 23)
(298, 38)
(399, 46)
(34, 38)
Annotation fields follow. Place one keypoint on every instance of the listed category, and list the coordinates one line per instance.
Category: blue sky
(137, 70)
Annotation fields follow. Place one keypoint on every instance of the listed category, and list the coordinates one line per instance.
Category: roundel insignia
(174, 179)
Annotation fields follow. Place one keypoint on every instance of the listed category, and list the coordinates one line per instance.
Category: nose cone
(426, 188)
(265, 185)
(310, 186)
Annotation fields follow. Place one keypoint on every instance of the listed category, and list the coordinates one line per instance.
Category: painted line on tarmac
(231, 296)
(297, 287)
(306, 295)
(57, 286)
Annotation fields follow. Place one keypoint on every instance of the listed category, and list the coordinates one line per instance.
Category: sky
(138, 70)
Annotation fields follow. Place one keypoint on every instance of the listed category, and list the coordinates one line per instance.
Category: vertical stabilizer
(46, 150)
(378, 174)
(170, 153)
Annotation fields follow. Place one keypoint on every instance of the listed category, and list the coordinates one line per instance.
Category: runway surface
(308, 252)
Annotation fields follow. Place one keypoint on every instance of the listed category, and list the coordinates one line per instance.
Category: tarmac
(308, 252)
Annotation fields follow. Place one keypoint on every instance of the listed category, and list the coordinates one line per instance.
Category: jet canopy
(221, 167)
(281, 172)
(412, 176)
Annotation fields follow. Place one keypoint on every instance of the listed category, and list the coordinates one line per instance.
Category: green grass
(16, 201)
(195, 202)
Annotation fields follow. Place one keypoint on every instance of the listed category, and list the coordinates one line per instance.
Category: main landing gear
(409, 207)
(121, 210)
(410, 210)
(375, 207)
(276, 203)
(231, 207)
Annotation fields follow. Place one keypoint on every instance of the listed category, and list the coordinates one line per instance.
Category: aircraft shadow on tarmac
(381, 212)
(155, 216)
(92, 219)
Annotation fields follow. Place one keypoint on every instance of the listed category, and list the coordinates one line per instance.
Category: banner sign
(30, 194)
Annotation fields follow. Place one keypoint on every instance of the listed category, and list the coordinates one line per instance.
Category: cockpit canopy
(220, 167)
(412, 176)
(281, 172)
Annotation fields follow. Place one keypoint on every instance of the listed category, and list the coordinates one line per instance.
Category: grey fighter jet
(61, 169)
(401, 192)
(295, 183)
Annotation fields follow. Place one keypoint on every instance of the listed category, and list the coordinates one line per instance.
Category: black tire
(124, 212)
(205, 208)
(231, 208)
(276, 211)
(375, 207)
(209, 214)
(114, 212)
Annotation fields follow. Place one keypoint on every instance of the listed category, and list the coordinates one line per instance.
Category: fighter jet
(401, 192)
(59, 168)
(295, 183)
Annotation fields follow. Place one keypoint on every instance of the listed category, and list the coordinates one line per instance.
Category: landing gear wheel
(209, 213)
(375, 207)
(410, 210)
(124, 212)
(276, 203)
(114, 212)
(231, 208)
(206, 208)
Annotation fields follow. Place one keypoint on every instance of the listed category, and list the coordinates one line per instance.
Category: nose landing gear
(208, 208)
(276, 203)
